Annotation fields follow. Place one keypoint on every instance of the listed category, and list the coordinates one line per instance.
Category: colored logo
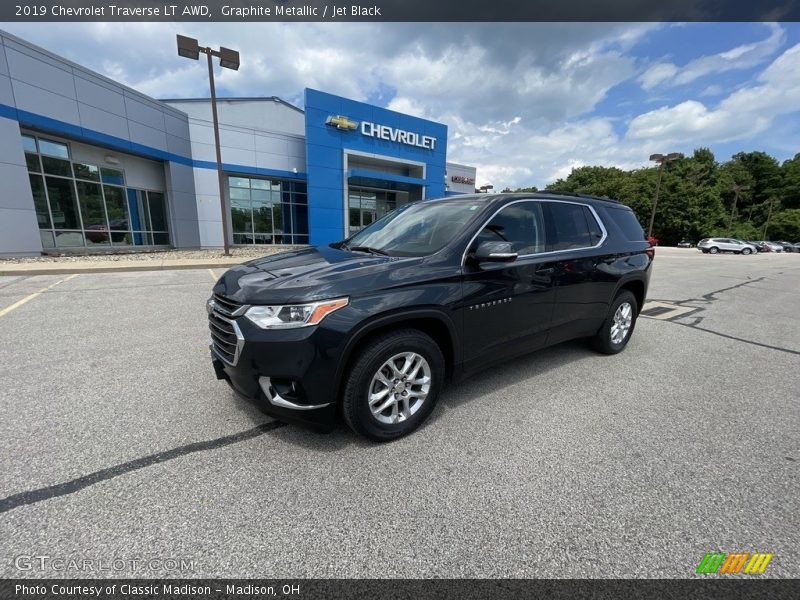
(734, 563)
(341, 123)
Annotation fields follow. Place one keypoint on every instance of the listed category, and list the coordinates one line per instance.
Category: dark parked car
(787, 246)
(371, 328)
(684, 244)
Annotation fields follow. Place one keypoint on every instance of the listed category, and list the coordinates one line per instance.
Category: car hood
(309, 274)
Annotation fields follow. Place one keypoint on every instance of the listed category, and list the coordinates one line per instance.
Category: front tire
(618, 327)
(746, 251)
(393, 385)
(713, 250)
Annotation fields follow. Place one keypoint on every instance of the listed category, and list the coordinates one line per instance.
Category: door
(582, 287)
(506, 307)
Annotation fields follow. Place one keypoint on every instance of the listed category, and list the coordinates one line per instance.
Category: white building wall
(458, 171)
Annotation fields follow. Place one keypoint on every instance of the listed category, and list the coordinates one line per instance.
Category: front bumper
(288, 373)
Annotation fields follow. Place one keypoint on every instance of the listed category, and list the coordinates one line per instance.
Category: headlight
(289, 316)
(210, 305)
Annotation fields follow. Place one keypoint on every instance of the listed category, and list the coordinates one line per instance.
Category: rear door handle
(545, 271)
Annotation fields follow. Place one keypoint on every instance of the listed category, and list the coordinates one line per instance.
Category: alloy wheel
(621, 324)
(399, 387)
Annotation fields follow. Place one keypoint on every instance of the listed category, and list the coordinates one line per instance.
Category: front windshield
(416, 229)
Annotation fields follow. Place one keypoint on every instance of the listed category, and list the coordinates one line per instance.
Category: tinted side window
(521, 224)
(627, 223)
(570, 228)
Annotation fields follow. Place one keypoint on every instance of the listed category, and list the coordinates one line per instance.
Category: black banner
(410, 589)
(399, 10)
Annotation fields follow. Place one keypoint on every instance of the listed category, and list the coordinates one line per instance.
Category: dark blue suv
(371, 328)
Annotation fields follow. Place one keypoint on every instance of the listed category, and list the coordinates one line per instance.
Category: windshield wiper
(369, 249)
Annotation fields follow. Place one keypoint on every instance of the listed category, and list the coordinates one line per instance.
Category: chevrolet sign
(342, 123)
(383, 132)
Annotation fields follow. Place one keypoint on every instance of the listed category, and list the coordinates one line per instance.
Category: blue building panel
(371, 131)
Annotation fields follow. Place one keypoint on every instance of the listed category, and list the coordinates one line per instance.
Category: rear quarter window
(627, 223)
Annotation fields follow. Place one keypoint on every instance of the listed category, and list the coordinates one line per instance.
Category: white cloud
(740, 57)
(743, 114)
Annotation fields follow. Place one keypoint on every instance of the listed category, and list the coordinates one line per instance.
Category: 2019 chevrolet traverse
(371, 328)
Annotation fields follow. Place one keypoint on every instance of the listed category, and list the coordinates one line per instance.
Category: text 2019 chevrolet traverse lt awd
(371, 328)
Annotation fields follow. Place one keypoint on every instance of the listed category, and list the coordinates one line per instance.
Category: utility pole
(737, 189)
(661, 159)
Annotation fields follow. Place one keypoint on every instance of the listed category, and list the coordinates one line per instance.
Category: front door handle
(545, 271)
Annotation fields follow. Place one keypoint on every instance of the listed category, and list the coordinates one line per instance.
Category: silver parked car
(715, 245)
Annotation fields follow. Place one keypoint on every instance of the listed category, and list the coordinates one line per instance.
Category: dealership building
(88, 164)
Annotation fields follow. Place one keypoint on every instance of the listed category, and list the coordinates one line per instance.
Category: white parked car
(715, 245)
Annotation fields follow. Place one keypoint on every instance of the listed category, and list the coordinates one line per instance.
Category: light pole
(228, 59)
(661, 159)
(737, 189)
(485, 188)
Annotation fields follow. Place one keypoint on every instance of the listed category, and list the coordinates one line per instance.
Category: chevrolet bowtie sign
(383, 132)
(342, 123)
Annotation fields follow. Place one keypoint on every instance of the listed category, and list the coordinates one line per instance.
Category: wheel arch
(637, 287)
(433, 322)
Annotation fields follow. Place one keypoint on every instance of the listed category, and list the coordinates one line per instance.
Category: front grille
(226, 338)
(227, 307)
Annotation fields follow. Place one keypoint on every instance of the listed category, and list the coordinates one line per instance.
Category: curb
(66, 270)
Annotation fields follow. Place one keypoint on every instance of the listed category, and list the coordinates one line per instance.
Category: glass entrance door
(367, 206)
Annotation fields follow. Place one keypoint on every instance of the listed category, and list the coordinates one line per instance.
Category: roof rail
(579, 195)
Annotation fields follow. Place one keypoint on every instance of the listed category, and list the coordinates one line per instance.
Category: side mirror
(495, 252)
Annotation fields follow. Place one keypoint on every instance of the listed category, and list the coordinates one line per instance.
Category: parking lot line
(214, 277)
(19, 303)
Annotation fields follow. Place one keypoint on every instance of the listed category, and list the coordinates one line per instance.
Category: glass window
(50, 148)
(158, 211)
(74, 209)
(40, 202)
(569, 227)
(241, 216)
(56, 166)
(33, 162)
(259, 184)
(241, 182)
(83, 171)
(29, 144)
(521, 224)
(114, 176)
(117, 211)
(595, 233)
(240, 194)
(626, 221)
(300, 218)
(90, 199)
(47, 239)
(417, 229)
(62, 204)
(69, 239)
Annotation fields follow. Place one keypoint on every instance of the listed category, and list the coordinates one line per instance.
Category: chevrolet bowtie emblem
(342, 123)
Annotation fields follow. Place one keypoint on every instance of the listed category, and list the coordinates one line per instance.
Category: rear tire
(618, 327)
(402, 371)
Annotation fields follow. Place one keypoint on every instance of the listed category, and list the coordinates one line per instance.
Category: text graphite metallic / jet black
(372, 328)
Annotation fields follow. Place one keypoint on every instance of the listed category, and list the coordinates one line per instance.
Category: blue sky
(524, 102)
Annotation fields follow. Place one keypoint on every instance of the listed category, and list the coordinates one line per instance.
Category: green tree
(785, 225)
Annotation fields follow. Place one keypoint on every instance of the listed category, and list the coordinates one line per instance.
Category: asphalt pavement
(117, 443)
